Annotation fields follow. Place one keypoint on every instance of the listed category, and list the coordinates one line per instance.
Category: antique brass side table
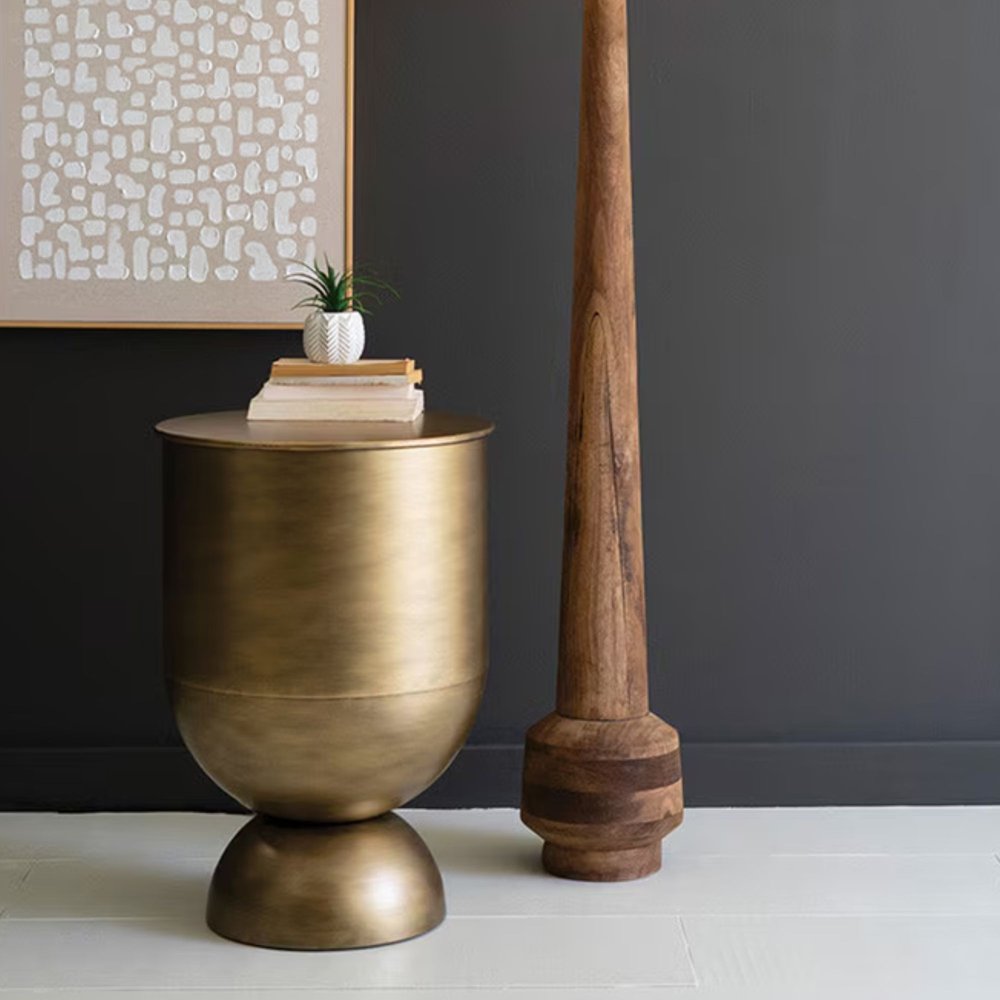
(325, 623)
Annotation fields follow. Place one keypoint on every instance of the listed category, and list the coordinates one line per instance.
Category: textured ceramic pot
(326, 653)
(334, 338)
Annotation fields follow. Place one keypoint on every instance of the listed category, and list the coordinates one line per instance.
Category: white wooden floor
(807, 904)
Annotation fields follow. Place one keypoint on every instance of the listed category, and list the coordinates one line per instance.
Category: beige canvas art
(166, 162)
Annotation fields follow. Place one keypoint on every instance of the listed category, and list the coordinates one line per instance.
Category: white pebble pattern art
(168, 140)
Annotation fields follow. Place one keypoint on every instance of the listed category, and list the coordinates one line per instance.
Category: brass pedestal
(310, 886)
(325, 626)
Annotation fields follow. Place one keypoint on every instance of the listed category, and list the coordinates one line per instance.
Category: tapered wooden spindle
(602, 776)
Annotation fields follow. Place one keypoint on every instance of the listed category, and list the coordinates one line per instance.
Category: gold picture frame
(125, 130)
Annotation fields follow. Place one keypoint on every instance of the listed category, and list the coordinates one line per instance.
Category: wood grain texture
(602, 780)
(602, 794)
(602, 654)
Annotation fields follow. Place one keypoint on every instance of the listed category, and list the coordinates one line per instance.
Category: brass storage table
(325, 627)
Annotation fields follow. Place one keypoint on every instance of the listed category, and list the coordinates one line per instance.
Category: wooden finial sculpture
(602, 781)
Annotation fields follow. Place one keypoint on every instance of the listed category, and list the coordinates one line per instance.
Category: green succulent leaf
(346, 291)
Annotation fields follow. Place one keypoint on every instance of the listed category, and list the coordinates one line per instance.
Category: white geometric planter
(334, 338)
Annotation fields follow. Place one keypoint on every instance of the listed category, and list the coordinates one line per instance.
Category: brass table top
(233, 430)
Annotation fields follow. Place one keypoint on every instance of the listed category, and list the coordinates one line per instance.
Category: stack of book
(366, 390)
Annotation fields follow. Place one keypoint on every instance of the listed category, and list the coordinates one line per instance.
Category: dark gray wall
(818, 238)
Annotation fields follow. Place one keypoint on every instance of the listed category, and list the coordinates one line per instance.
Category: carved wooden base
(602, 866)
(602, 795)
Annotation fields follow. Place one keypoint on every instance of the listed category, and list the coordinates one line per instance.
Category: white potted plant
(334, 330)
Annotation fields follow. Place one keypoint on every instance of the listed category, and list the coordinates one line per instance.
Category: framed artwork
(164, 163)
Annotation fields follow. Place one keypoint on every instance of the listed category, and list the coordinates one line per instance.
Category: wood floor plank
(775, 905)
(465, 953)
(791, 884)
(100, 889)
(893, 830)
(325, 993)
(176, 888)
(753, 832)
(840, 830)
(12, 874)
(123, 835)
(885, 957)
(963, 991)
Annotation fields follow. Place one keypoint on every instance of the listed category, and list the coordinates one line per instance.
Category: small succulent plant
(340, 291)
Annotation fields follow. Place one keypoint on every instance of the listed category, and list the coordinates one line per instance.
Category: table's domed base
(325, 887)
